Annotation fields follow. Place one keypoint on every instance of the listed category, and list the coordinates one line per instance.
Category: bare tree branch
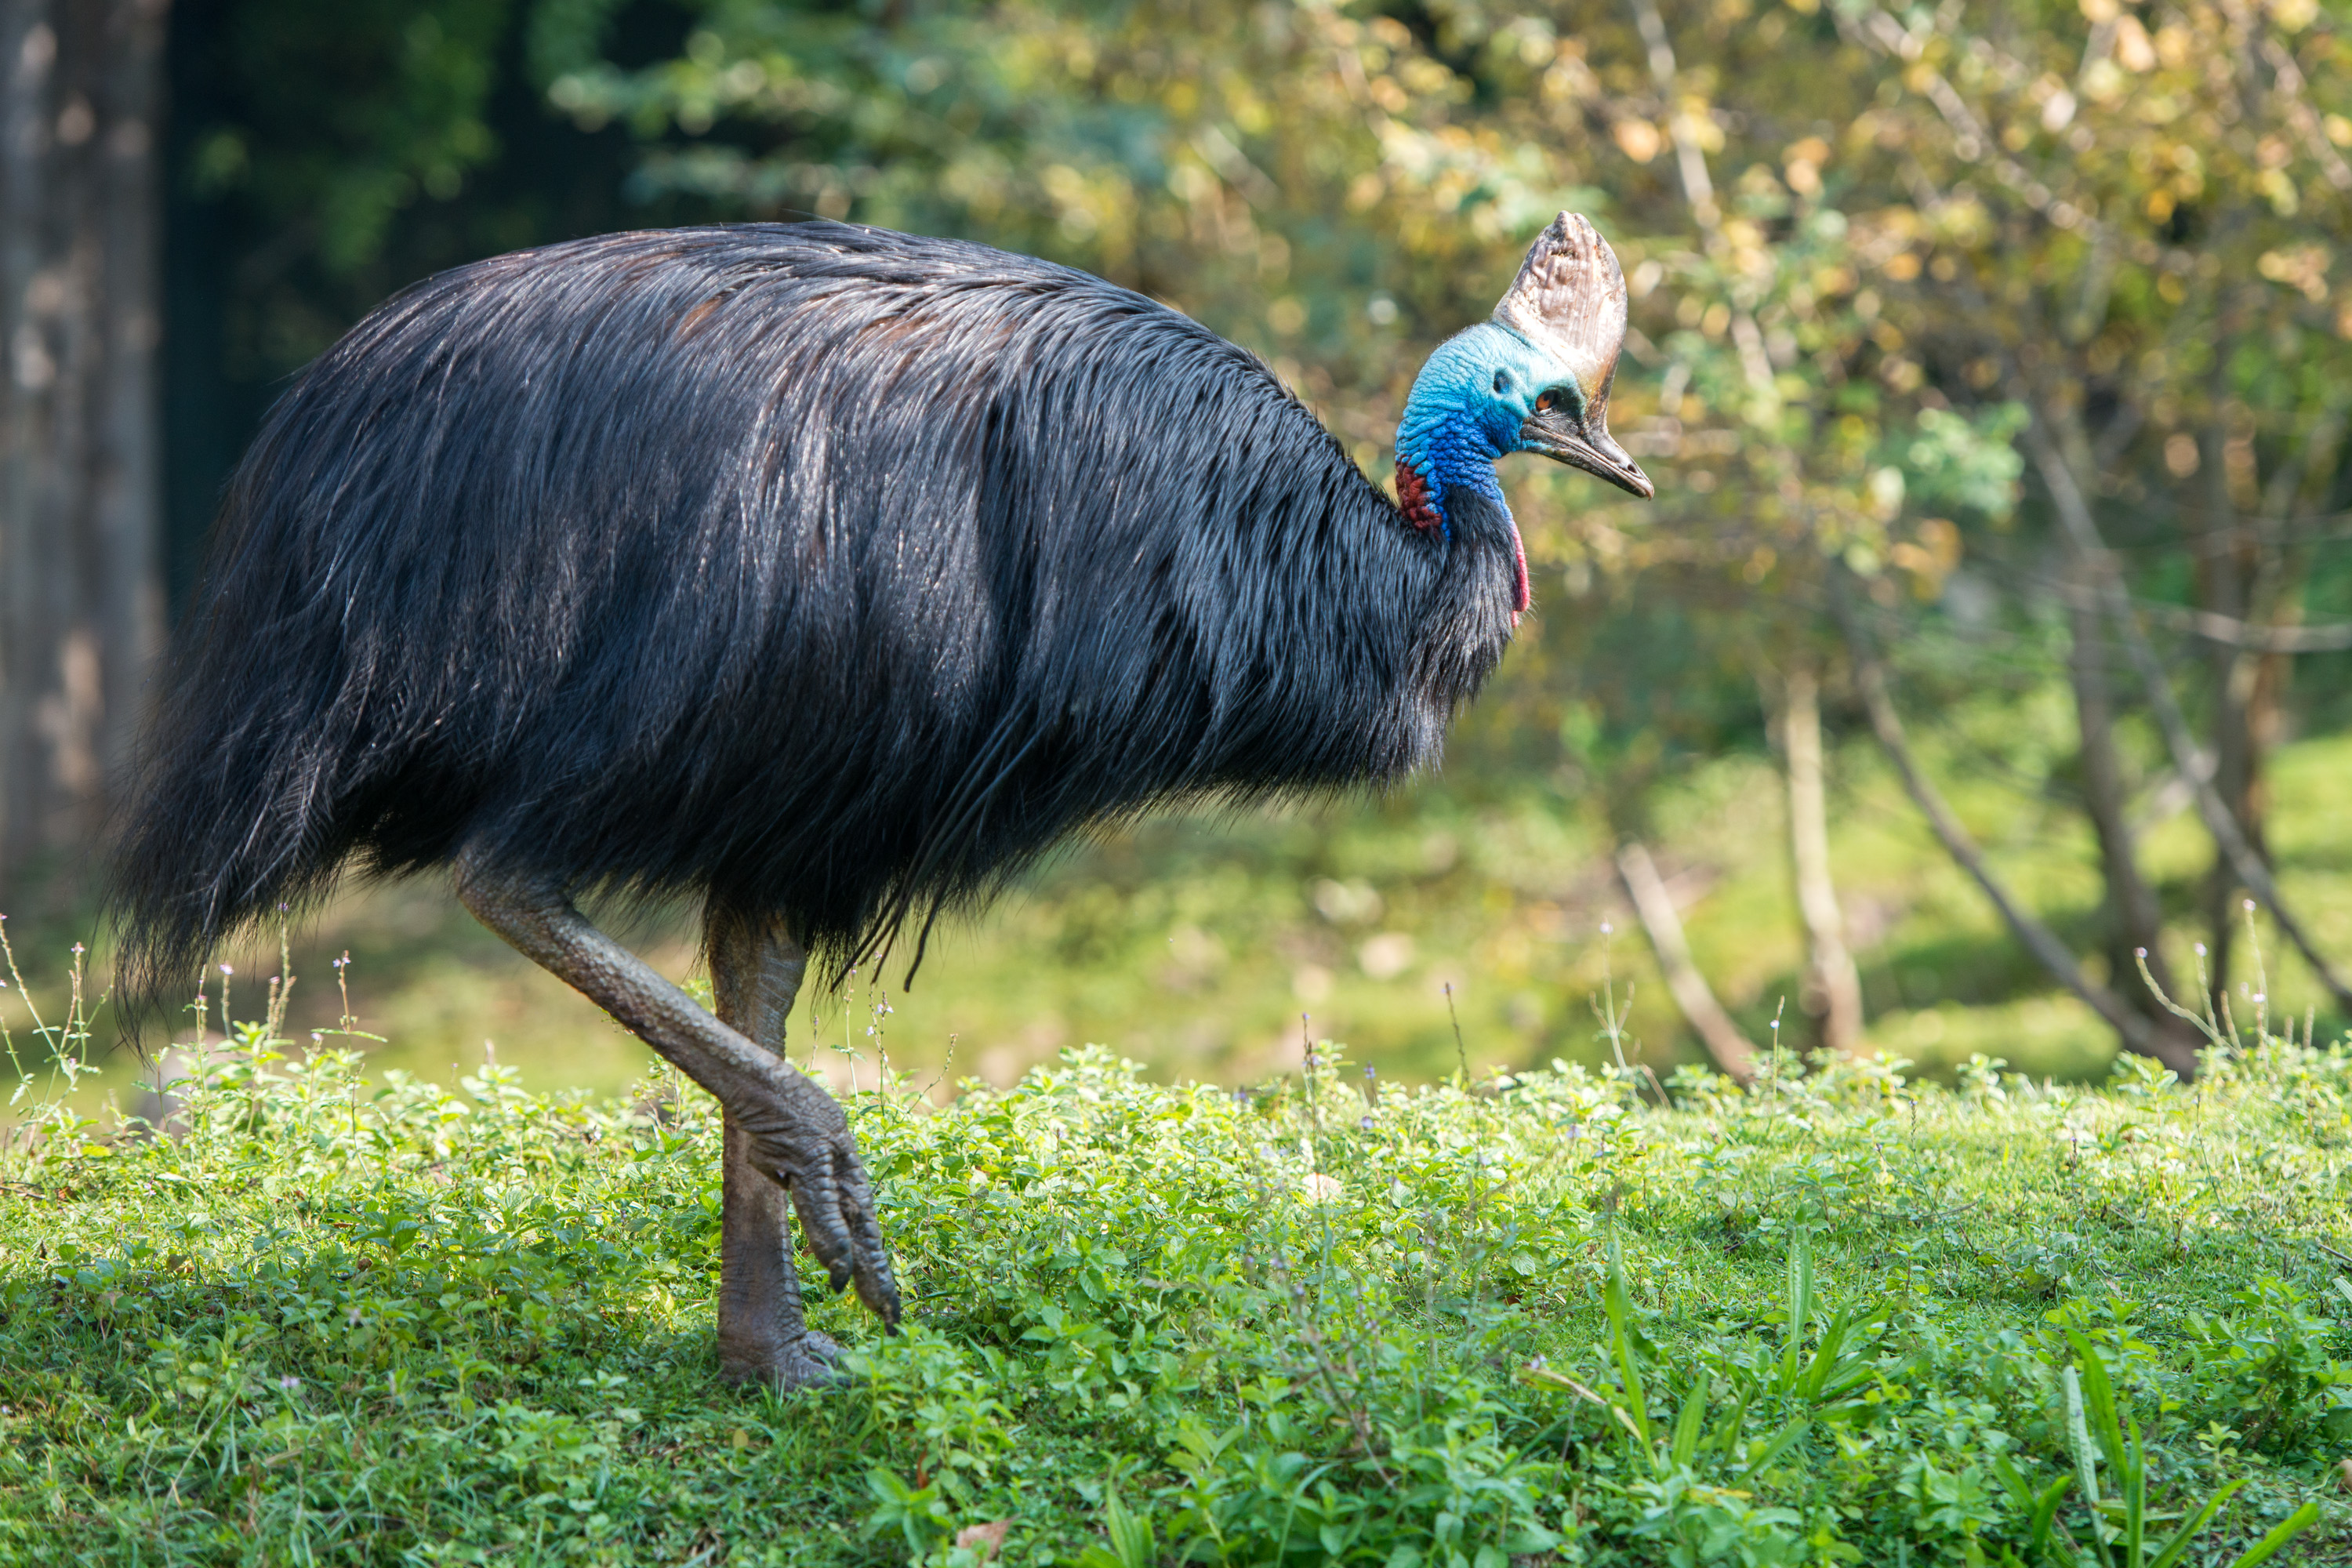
(1733, 1056)
(2212, 626)
(1870, 679)
(2075, 516)
(2232, 631)
(1698, 192)
(2304, 118)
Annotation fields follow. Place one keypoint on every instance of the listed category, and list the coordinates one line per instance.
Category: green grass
(1843, 1317)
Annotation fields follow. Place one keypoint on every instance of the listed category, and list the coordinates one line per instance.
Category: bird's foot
(804, 1145)
(808, 1360)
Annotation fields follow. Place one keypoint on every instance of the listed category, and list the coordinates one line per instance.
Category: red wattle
(1413, 500)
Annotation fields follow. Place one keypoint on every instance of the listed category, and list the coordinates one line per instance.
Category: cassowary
(825, 576)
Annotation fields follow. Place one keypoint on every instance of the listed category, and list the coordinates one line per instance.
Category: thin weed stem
(41, 1029)
(1324, 1187)
(1613, 1017)
(67, 1042)
(281, 986)
(849, 1050)
(2208, 990)
(2140, 956)
(1354, 1411)
(2262, 996)
(1461, 1051)
(940, 1077)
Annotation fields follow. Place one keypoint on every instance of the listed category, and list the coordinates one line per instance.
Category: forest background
(1989, 629)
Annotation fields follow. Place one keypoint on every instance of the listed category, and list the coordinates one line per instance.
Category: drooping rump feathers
(814, 570)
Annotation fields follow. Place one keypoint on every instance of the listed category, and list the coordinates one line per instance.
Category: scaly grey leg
(793, 1131)
(755, 971)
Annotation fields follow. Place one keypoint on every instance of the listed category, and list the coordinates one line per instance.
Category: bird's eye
(1544, 403)
(1502, 379)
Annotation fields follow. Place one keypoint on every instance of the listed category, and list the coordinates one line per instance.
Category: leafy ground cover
(1844, 1317)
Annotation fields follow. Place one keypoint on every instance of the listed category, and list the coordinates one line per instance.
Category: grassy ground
(1844, 1318)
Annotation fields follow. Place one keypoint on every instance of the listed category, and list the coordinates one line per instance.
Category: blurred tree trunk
(2249, 576)
(2063, 482)
(1832, 994)
(2135, 919)
(80, 113)
(2174, 1049)
(2225, 568)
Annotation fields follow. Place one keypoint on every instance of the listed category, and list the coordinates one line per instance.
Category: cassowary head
(1535, 378)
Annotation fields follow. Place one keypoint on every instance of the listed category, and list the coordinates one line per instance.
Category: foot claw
(835, 1204)
(812, 1361)
(818, 1164)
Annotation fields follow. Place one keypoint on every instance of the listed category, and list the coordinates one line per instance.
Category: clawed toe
(835, 1204)
(811, 1361)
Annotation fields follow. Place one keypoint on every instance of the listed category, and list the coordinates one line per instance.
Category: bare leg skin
(791, 1130)
(755, 971)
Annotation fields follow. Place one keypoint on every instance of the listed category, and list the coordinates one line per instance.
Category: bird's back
(822, 569)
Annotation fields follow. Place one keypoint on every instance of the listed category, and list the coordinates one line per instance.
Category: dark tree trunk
(80, 117)
(2135, 919)
(2135, 1034)
(2226, 567)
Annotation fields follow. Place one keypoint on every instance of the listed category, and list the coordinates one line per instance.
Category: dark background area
(278, 108)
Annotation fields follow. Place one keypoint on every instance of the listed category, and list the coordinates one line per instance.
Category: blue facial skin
(1467, 406)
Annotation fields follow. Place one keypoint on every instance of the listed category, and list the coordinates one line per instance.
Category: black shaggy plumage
(815, 570)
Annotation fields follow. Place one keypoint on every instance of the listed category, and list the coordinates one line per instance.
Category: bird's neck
(1453, 431)
(1442, 449)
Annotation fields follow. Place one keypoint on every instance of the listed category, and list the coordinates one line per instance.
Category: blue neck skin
(1458, 422)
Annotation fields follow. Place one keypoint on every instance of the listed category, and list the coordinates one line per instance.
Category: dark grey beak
(1567, 436)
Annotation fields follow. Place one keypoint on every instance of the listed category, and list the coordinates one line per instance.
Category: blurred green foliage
(1872, 250)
